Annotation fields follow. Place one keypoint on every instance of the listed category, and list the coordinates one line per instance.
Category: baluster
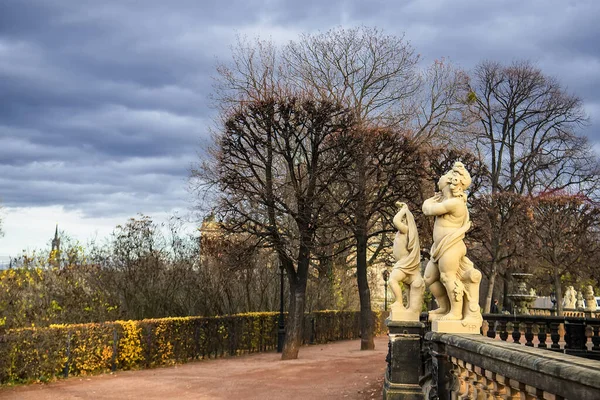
(516, 333)
(491, 333)
(471, 382)
(500, 386)
(515, 390)
(532, 393)
(454, 386)
(596, 338)
(542, 327)
(503, 331)
(589, 332)
(481, 385)
(529, 333)
(489, 388)
(462, 385)
(554, 336)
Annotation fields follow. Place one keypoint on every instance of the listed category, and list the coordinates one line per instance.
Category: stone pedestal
(405, 364)
(473, 327)
(399, 313)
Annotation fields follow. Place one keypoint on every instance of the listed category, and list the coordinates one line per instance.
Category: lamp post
(281, 323)
(386, 276)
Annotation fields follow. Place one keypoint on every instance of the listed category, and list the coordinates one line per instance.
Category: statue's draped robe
(411, 263)
(439, 248)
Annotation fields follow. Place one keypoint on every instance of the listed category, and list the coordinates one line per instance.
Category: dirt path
(333, 371)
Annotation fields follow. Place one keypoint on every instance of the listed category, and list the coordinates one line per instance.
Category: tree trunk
(490, 290)
(295, 319)
(366, 314)
(559, 295)
(506, 303)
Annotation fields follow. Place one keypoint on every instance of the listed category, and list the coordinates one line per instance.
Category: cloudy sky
(104, 104)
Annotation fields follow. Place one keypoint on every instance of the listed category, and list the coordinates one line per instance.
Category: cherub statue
(590, 299)
(570, 298)
(580, 302)
(449, 274)
(407, 254)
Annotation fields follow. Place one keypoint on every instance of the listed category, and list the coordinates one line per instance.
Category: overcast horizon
(106, 104)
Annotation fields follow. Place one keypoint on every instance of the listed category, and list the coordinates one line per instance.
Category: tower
(56, 241)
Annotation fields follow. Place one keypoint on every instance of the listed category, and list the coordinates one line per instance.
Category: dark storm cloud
(104, 104)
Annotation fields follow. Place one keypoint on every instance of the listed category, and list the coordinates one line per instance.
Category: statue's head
(459, 180)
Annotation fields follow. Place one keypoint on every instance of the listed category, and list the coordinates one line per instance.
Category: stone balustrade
(516, 357)
(572, 335)
(476, 367)
(566, 313)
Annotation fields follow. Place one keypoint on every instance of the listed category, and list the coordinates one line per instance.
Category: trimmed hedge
(42, 354)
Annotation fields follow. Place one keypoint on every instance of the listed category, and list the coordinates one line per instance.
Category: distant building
(56, 241)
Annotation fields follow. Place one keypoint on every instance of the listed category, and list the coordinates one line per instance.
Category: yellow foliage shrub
(130, 352)
(42, 354)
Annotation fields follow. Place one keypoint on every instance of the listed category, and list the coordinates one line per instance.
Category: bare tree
(438, 106)
(498, 221)
(376, 76)
(386, 167)
(373, 74)
(526, 127)
(273, 165)
(564, 236)
(368, 71)
(255, 73)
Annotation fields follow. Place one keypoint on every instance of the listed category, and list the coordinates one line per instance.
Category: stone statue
(407, 254)
(570, 298)
(580, 302)
(450, 275)
(590, 299)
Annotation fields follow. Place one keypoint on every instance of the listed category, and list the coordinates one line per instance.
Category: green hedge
(42, 354)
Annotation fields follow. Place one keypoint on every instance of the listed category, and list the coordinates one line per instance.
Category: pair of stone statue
(575, 300)
(449, 274)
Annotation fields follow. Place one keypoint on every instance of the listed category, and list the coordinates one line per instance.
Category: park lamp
(386, 276)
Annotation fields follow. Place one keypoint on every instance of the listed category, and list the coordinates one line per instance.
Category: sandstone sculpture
(407, 254)
(450, 275)
(570, 299)
(580, 302)
(590, 299)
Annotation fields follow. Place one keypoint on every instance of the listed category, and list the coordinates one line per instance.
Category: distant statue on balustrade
(580, 302)
(570, 299)
(590, 299)
(407, 253)
(450, 275)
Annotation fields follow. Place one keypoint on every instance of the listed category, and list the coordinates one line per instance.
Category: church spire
(56, 240)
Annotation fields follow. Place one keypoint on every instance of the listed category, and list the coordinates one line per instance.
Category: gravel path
(333, 371)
